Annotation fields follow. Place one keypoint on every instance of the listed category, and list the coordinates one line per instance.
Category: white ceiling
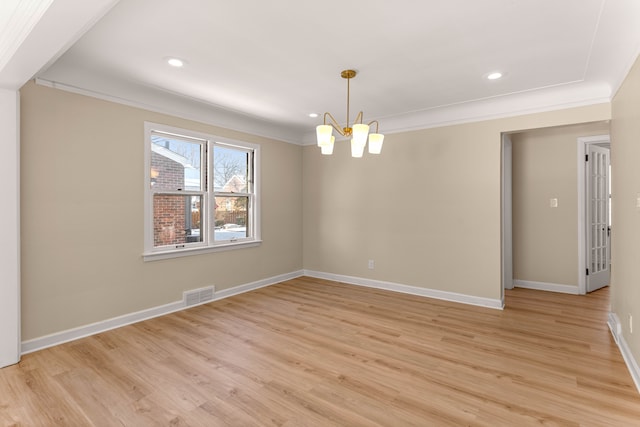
(421, 63)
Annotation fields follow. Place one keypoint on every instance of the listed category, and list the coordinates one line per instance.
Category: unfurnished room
(338, 213)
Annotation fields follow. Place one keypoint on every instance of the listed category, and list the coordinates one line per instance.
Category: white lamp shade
(360, 133)
(327, 150)
(357, 148)
(323, 132)
(375, 143)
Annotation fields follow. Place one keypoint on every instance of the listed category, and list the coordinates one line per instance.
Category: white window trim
(209, 245)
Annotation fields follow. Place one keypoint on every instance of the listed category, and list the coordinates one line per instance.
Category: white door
(597, 180)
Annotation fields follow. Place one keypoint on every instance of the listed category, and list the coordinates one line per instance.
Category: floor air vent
(198, 296)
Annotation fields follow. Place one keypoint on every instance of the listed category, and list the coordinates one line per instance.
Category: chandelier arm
(372, 122)
(358, 118)
(334, 123)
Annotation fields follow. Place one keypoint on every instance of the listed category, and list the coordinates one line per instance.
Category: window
(201, 193)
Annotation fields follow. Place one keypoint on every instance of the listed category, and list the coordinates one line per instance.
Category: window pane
(231, 219)
(176, 219)
(230, 169)
(175, 164)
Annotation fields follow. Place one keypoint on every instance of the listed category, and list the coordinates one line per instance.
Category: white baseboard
(51, 340)
(616, 330)
(615, 326)
(407, 289)
(544, 286)
(57, 338)
(226, 293)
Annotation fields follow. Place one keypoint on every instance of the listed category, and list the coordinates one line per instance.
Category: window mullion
(179, 193)
(250, 172)
(225, 194)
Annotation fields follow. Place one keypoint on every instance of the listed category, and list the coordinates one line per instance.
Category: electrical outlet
(371, 264)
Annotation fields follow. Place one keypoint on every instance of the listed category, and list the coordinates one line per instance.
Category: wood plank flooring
(310, 352)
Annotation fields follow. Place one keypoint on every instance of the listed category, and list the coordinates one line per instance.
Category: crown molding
(22, 17)
(34, 37)
(571, 95)
(536, 101)
(163, 102)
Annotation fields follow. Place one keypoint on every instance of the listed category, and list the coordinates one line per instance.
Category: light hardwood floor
(310, 352)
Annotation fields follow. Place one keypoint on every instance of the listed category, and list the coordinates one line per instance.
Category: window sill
(178, 253)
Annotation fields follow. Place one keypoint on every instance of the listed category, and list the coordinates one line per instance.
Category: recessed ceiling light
(494, 76)
(175, 62)
(313, 115)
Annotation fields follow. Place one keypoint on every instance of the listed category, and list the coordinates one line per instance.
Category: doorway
(568, 275)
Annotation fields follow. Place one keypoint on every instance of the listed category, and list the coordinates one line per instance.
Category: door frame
(506, 222)
(582, 206)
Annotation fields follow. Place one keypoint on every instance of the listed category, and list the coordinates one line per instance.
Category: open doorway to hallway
(544, 240)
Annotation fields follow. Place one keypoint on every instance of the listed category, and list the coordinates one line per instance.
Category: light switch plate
(553, 202)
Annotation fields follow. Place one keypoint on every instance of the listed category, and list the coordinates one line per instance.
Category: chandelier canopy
(358, 131)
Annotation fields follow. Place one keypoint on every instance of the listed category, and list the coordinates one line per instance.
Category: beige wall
(82, 188)
(625, 251)
(427, 210)
(545, 239)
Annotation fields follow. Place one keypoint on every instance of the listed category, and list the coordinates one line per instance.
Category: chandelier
(358, 132)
